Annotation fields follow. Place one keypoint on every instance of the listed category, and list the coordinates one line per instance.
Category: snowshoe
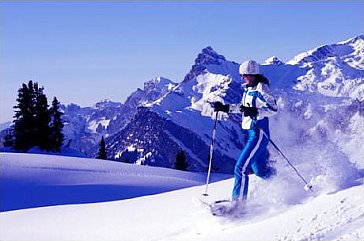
(224, 207)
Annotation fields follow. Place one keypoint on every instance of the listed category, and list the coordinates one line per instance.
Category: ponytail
(262, 79)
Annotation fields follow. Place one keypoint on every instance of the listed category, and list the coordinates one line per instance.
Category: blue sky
(84, 52)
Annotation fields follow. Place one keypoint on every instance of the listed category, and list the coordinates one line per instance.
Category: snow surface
(34, 180)
(319, 128)
(120, 204)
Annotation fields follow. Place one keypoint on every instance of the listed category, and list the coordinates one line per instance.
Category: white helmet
(249, 67)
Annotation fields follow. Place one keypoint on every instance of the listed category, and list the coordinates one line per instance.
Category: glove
(249, 111)
(218, 106)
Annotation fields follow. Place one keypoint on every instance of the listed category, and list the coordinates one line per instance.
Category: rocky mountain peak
(158, 83)
(354, 40)
(208, 56)
(106, 104)
(273, 61)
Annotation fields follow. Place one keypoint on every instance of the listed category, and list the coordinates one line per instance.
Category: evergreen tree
(8, 138)
(56, 126)
(102, 150)
(42, 119)
(24, 119)
(126, 160)
(34, 123)
(181, 162)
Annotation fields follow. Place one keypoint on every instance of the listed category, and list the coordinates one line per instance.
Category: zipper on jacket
(244, 98)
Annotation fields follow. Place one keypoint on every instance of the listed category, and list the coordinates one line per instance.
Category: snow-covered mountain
(333, 70)
(181, 119)
(319, 94)
(84, 126)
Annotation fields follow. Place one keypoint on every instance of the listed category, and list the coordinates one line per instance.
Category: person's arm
(269, 107)
(236, 108)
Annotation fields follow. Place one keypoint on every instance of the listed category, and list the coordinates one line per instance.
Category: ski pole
(307, 185)
(210, 156)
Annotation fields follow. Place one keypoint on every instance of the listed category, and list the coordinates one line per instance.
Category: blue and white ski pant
(254, 156)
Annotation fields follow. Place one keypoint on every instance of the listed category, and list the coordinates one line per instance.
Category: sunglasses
(246, 75)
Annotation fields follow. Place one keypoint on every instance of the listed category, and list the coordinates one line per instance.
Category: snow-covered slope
(278, 209)
(35, 180)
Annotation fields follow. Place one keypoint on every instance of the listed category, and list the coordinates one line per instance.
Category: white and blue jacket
(257, 96)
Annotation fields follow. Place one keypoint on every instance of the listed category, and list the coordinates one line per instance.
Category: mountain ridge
(306, 90)
(189, 104)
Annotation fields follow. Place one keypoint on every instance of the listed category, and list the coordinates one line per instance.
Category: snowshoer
(256, 106)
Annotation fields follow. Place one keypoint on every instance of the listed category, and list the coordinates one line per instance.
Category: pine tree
(181, 162)
(42, 119)
(34, 123)
(56, 126)
(102, 150)
(8, 138)
(125, 160)
(24, 119)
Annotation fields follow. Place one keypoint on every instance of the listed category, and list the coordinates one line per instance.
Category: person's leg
(261, 166)
(246, 158)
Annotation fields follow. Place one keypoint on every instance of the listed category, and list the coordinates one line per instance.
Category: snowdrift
(34, 180)
(278, 209)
